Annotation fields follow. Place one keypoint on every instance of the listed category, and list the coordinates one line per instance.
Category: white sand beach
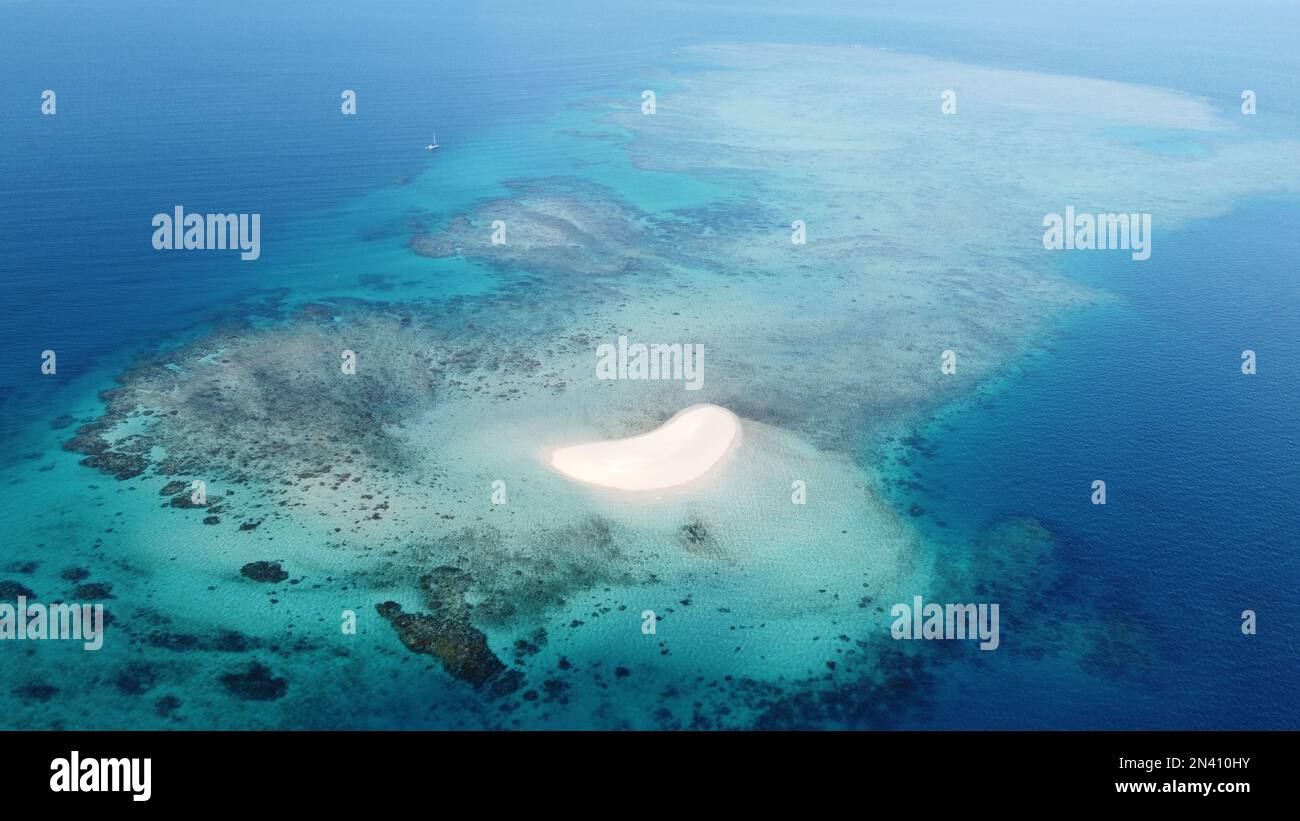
(680, 451)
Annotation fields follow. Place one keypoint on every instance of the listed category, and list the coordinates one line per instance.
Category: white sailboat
(433, 144)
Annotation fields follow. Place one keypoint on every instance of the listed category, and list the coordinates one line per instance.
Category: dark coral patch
(121, 466)
(61, 422)
(74, 574)
(167, 705)
(135, 678)
(36, 692)
(93, 591)
(185, 501)
(463, 651)
(264, 572)
(232, 641)
(696, 538)
(257, 683)
(446, 632)
(12, 590)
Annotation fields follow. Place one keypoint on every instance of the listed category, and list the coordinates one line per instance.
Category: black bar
(210, 770)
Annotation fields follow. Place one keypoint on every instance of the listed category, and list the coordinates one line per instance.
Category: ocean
(923, 236)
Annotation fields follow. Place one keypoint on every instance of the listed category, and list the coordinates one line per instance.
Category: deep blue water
(233, 106)
(1200, 463)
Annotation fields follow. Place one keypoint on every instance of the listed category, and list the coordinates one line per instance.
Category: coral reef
(256, 683)
(264, 571)
(446, 632)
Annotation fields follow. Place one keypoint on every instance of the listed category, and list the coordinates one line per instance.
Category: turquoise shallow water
(1135, 607)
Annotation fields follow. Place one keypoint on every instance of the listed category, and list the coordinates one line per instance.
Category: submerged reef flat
(276, 492)
(864, 155)
(272, 402)
(543, 225)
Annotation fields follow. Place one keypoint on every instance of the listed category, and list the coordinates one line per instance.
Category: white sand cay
(680, 451)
